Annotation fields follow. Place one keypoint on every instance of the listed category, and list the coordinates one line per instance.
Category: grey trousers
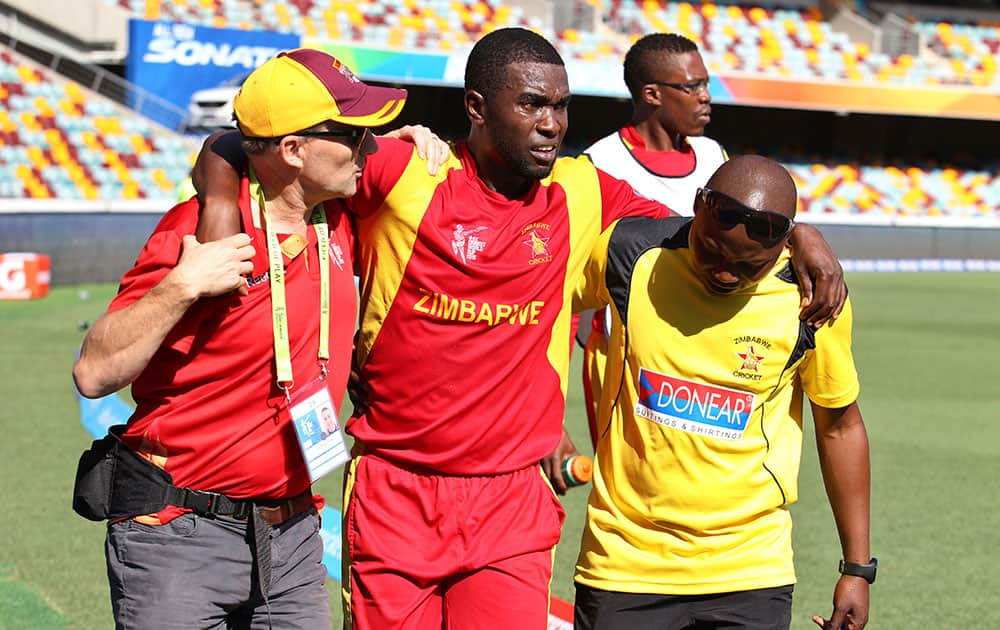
(195, 572)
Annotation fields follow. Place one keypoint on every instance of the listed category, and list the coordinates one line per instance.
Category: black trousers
(763, 609)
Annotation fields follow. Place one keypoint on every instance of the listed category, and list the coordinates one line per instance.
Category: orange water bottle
(577, 470)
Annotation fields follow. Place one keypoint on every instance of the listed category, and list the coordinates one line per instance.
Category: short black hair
(484, 71)
(642, 56)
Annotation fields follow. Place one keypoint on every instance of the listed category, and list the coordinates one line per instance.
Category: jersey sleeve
(381, 172)
(619, 199)
(827, 373)
(228, 147)
(158, 256)
(591, 291)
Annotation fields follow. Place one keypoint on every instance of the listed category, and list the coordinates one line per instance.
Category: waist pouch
(114, 482)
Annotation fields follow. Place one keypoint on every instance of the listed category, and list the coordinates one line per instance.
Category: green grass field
(925, 344)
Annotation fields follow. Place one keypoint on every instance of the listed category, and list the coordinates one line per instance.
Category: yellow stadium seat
(54, 137)
(28, 120)
(139, 144)
(37, 158)
(27, 75)
(847, 172)
(61, 156)
(108, 125)
(309, 28)
(43, 107)
(396, 35)
(153, 9)
(75, 93)
(825, 185)
(66, 106)
(355, 17)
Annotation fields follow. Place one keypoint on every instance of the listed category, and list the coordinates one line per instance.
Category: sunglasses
(354, 135)
(688, 88)
(761, 225)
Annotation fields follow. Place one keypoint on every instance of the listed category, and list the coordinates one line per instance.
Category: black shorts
(762, 609)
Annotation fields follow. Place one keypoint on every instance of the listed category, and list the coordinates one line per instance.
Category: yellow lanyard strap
(276, 276)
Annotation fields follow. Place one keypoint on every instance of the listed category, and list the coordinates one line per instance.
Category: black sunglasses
(688, 88)
(761, 225)
(356, 135)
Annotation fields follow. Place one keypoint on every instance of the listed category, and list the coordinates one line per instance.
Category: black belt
(207, 503)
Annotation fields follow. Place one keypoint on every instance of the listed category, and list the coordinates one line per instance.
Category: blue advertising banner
(174, 60)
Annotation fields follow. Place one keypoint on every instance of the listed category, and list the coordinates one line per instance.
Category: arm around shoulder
(216, 177)
(821, 278)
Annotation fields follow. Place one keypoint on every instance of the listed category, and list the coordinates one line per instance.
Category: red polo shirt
(208, 408)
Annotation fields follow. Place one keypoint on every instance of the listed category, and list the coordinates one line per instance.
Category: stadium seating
(742, 38)
(56, 140)
(428, 24)
(969, 52)
(898, 190)
(799, 43)
(59, 141)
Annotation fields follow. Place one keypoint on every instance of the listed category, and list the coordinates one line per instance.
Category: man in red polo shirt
(223, 342)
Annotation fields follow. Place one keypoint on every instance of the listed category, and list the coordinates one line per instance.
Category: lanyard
(276, 276)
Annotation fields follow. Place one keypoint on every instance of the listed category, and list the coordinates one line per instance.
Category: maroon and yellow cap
(304, 87)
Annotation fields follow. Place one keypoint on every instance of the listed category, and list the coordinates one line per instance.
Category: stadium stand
(854, 191)
(58, 141)
(746, 38)
(969, 50)
(428, 24)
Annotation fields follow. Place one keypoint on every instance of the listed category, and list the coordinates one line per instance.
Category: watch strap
(864, 570)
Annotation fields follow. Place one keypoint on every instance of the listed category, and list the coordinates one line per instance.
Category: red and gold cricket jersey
(466, 299)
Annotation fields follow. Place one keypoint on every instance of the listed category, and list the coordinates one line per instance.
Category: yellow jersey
(700, 418)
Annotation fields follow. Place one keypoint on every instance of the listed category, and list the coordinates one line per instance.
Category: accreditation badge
(317, 428)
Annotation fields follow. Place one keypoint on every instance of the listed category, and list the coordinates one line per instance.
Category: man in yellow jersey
(700, 419)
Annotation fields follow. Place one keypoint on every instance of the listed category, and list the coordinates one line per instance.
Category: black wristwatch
(864, 570)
